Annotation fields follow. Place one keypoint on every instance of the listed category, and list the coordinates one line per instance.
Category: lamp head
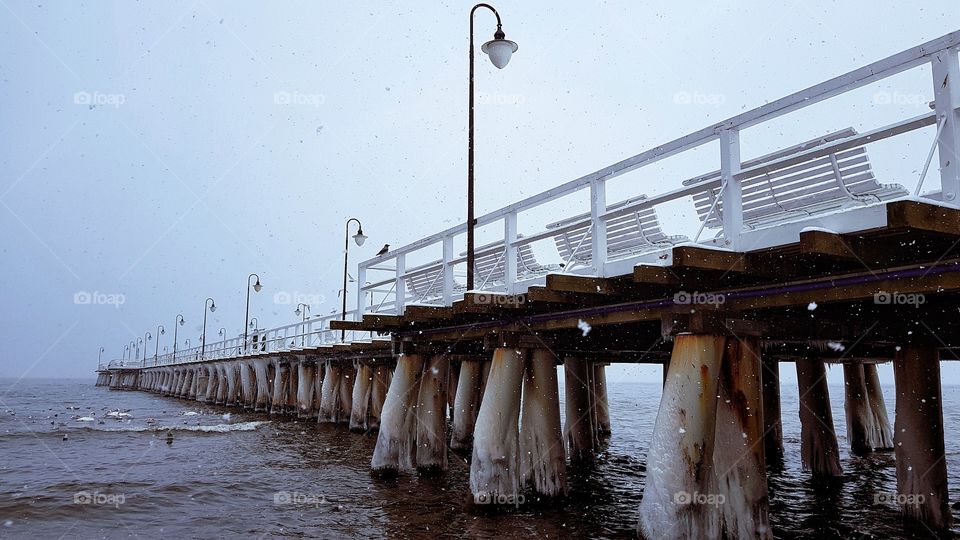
(257, 286)
(359, 238)
(499, 49)
(297, 312)
(213, 307)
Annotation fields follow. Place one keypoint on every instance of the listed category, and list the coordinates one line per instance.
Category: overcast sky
(156, 153)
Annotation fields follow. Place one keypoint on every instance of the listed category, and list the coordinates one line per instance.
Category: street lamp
(146, 337)
(499, 50)
(246, 317)
(303, 321)
(254, 323)
(100, 358)
(139, 341)
(156, 351)
(223, 332)
(203, 336)
(359, 238)
(177, 322)
(126, 349)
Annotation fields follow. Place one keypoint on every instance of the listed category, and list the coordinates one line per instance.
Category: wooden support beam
(709, 259)
(589, 285)
(918, 216)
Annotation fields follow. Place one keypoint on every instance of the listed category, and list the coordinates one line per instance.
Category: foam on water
(218, 428)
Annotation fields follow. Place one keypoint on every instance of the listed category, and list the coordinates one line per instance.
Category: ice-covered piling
(882, 435)
(601, 408)
(330, 393)
(281, 379)
(579, 432)
(378, 394)
(818, 440)
(494, 473)
(263, 380)
(431, 452)
(542, 456)
(918, 437)
(396, 439)
(772, 426)
(247, 385)
(863, 434)
(466, 404)
(362, 388)
(680, 476)
(738, 456)
(305, 386)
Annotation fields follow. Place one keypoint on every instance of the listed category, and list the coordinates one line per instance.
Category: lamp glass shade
(257, 286)
(499, 51)
(359, 238)
(213, 307)
(297, 312)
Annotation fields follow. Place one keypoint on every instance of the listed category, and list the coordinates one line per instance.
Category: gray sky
(158, 152)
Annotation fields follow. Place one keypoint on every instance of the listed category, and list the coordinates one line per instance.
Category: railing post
(447, 270)
(401, 285)
(946, 94)
(510, 255)
(598, 206)
(361, 283)
(732, 195)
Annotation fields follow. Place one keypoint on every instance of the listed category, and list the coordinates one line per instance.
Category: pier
(803, 258)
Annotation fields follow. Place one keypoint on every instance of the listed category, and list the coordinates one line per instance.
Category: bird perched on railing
(386, 248)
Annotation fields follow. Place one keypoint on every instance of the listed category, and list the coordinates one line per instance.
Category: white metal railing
(940, 54)
(310, 334)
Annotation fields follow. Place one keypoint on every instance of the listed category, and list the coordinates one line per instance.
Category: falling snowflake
(584, 327)
(811, 306)
(835, 346)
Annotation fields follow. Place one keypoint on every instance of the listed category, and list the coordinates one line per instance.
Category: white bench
(778, 192)
(631, 233)
(425, 282)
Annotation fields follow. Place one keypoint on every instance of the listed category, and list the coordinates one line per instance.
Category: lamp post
(203, 336)
(303, 321)
(137, 345)
(100, 358)
(246, 317)
(178, 322)
(359, 238)
(126, 349)
(156, 351)
(223, 332)
(499, 50)
(146, 337)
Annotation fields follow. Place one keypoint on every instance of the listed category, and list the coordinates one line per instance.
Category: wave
(218, 428)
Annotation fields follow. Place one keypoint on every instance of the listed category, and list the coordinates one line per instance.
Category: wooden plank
(588, 285)
(918, 216)
(649, 274)
(426, 313)
(347, 325)
(823, 243)
(709, 259)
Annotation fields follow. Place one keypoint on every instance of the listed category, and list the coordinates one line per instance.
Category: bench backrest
(426, 281)
(815, 184)
(490, 262)
(630, 231)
